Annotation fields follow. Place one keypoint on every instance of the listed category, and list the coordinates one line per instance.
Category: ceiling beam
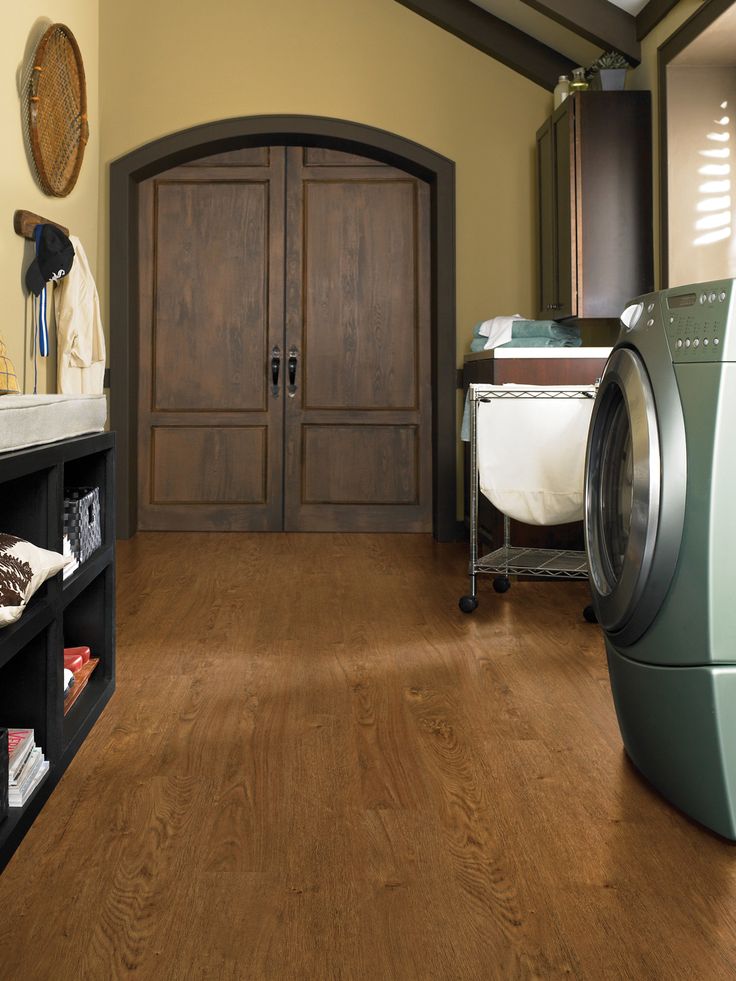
(497, 38)
(598, 21)
(649, 16)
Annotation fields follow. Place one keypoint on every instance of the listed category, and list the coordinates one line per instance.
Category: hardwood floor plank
(315, 768)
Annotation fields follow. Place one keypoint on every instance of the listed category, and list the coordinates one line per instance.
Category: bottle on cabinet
(562, 90)
(579, 82)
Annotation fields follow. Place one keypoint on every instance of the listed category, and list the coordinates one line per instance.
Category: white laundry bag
(531, 454)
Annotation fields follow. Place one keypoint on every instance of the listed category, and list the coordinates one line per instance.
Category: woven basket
(8, 377)
(57, 111)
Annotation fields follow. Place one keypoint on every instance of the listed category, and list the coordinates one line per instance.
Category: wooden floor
(316, 767)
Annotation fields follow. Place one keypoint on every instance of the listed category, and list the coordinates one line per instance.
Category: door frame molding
(127, 172)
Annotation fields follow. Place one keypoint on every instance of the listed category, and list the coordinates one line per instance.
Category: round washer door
(622, 494)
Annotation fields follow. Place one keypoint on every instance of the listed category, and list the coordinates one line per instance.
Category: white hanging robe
(80, 337)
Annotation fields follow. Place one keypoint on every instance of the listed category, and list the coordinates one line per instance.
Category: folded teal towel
(544, 328)
(478, 344)
(536, 328)
(542, 342)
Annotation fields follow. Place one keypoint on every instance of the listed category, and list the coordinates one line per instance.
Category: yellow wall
(176, 63)
(22, 24)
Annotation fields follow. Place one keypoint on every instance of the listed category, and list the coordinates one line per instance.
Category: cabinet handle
(275, 368)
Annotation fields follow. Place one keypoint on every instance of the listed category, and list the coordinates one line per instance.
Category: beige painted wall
(371, 61)
(22, 24)
(646, 77)
(699, 183)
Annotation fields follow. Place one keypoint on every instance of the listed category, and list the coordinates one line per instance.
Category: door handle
(275, 369)
(293, 355)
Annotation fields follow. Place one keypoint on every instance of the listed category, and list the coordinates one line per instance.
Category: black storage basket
(82, 524)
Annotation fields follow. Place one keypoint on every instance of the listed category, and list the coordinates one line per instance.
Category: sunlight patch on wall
(714, 206)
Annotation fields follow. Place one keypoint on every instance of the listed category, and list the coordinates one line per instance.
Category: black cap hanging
(54, 258)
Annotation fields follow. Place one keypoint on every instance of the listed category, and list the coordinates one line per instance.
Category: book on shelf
(81, 677)
(37, 768)
(20, 745)
(77, 652)
(73, 662)
(30, 771)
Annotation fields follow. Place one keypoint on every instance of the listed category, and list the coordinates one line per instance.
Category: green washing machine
(660, 503)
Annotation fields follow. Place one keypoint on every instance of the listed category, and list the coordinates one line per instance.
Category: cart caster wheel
(501, 584)
(468, 603)
(589, 615)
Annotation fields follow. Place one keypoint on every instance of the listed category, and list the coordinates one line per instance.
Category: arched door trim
(128, 171)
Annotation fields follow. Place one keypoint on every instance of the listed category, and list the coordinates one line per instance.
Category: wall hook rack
(25, 221)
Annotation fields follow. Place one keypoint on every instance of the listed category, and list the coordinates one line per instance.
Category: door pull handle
(275, 369)
(293, 355)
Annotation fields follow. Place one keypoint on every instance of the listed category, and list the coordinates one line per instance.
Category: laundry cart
(536, 442)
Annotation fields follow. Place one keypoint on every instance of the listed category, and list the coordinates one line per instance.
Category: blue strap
(43, 327)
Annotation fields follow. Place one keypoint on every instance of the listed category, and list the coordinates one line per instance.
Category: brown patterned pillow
(23, 569)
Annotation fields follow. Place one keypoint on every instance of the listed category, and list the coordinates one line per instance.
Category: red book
(20, 744)
(83, 652)
(73, 662)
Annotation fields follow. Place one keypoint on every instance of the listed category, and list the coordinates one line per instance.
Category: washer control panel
(695, 319)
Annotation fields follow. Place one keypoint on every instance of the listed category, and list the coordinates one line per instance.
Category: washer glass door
(622, 494)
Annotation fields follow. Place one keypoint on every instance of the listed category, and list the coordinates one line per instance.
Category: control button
(716, 341)
(650, 307)
(687, 342)
(705, 342)
(696, 342)
(712, 297)
(650, 322)
(679, 343)
(702, 297)
(672, 320)
(722, 296)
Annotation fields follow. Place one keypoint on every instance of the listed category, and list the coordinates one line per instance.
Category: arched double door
(284, 344)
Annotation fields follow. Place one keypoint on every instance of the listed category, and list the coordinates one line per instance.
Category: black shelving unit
(63, 613)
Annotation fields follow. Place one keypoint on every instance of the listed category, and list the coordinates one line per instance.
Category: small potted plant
(609, 72)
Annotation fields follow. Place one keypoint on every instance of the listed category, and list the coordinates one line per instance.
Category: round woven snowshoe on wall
(57, 111)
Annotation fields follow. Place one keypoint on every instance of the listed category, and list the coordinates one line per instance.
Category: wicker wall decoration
(57, 111)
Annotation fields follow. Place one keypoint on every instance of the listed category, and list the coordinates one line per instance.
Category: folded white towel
(498, 330)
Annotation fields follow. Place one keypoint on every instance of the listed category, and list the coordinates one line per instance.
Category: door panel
(360, 464)
(255, 156)
(358, 427)
(210, 327)
(563, 136)
(211, 310)
(359, 287)
(317, 156)
(209, 465)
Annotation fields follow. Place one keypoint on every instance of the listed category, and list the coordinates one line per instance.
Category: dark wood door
(353, 310)
(563, 141)
(211, 310)
(556, 200)
(547, 220)
(358, 422)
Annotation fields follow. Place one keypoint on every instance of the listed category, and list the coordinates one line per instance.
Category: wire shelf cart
(509, 560)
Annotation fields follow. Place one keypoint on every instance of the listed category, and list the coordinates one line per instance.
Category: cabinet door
(546, 196)
(563, 142)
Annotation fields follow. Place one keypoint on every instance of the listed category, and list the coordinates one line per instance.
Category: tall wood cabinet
(594, 184)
